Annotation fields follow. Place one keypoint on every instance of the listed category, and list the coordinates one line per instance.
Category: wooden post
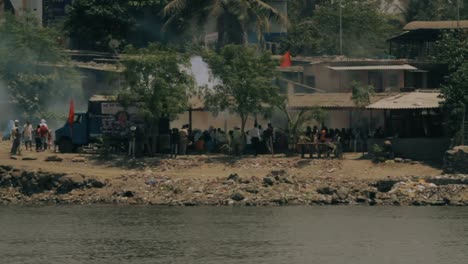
(385, 123)
(190, 118)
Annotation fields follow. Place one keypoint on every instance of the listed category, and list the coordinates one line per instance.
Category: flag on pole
(71, 113)
(286, 60)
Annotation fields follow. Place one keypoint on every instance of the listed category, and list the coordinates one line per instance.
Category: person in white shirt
(254, 134)
(27, 135)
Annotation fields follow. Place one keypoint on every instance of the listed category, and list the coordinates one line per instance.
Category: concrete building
(335, 75)
(20, 7)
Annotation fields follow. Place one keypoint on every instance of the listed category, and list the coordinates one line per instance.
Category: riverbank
(221, 180)
(277, 188)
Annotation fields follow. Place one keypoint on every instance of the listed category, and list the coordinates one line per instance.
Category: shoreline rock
(277, 188)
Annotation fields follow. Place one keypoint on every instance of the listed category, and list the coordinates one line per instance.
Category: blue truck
(105, 119)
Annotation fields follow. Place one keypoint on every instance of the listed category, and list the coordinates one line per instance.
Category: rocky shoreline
(277, 188)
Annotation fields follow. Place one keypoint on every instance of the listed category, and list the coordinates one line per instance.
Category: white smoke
(202, 72)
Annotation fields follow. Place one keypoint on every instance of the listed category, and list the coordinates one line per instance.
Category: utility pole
(458, 14)
(341, 28)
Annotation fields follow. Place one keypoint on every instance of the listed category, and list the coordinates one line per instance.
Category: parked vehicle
(105, 119)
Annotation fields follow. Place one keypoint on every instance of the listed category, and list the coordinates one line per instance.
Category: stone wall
(416, 148)
(456, 160)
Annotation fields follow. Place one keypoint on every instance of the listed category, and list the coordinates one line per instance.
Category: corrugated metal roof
(414, 100)
(373, 67)
(436, 25)
(100, 97)
(291, 69)
(328, 100)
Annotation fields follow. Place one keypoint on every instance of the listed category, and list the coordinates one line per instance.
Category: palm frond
(175, 6)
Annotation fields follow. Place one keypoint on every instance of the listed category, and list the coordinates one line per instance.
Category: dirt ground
(212, 166)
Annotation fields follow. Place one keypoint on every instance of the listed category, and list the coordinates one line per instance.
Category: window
(393, 80)
(310, 80)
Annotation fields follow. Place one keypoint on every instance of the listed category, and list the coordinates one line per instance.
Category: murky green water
(112, 234)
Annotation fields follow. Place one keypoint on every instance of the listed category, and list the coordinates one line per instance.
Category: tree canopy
(157, 80)
(234, 20)
(33, 66)
(365, 30)
(429, 10)
(108, 25)
(453, 50)
(247, 86)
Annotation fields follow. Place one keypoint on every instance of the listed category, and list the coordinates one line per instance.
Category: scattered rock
(302, 163)
(237, 197)
(456, 160)
(407, 160)
(53, 158)
(13, 157)
(128, 194)
(233, 177)
(29, 158)
(78, 159)
(251, 189)
(278, 173)
(326, 190)
(268, 181)
(342, 193)
(398, 160)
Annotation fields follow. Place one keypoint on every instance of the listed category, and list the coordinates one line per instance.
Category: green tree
(298, 120)
(427, 10)
(365, 30)
(452, 49)
(157, 81)
(247, 82)
(33, 66)
(108, 25)
(234, 19)
(361, 94)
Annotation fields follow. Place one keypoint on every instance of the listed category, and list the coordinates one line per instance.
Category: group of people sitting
(352, 140)
(216, 140)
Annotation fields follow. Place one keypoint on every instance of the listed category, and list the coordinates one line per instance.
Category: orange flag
(286, 60)
(71, 113)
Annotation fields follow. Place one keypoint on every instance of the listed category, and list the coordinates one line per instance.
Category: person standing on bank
(183, 140)
(254, 133)
(27, 135)
(174, 142)
(132, 141)
(270, 138)
(16, 136)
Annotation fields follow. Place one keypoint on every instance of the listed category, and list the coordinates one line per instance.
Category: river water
(134, 234)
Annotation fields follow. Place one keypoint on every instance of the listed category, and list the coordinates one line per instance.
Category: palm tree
(234, 18)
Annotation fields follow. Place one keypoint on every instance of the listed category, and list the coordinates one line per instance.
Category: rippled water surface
(113, 234)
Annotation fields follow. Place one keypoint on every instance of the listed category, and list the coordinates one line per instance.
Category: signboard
(114, 108)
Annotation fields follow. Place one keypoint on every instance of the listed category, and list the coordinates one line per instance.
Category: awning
(328, 100)
(453, 24)
(414, 100)
(373, 67)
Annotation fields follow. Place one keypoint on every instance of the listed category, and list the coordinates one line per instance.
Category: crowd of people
(41, 134)
(260, 140)
(216, 140)
(349, 140)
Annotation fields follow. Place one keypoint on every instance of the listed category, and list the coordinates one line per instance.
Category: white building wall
(33, 6)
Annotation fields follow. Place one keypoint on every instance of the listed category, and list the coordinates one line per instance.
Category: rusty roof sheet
(328, 100)
(414, 100)
(372, 67)
(436, 25)
(101, 97)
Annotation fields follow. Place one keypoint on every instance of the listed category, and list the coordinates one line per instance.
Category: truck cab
(69, 137)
